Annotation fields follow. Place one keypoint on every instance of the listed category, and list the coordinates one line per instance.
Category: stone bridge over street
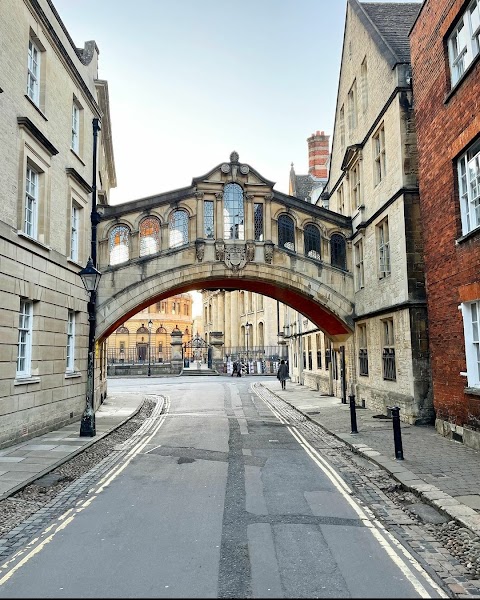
(228, 230)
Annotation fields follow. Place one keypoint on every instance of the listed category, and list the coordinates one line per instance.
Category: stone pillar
(216, 341)
(199, 223)
(134, 250)
(221, 312)
(164, 236)
(215, 326)
(268, 216)
(234, 317)
(176, 343)
(249, 228)
(219, 216)
(228, 319)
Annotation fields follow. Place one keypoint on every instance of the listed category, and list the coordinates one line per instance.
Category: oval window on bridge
(119, 244)
(149, 236)
(178, 228)
(338, 252)
(311, 236)
(286, 232)
(233, 216)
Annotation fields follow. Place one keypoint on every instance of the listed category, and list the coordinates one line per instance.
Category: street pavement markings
(9, 568)
(388, 542)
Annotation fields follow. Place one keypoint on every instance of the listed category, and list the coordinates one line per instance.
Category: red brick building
(445, 57)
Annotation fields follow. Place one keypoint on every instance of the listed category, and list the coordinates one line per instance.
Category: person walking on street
(282, 373)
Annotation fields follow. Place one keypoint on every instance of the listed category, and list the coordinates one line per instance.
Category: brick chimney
(318, 154)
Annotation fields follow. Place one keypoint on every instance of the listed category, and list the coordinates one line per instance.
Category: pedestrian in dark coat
(282, 373)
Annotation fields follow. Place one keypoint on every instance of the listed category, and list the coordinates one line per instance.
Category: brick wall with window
(446, 79)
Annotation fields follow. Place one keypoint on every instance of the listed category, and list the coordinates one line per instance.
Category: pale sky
(192, 80)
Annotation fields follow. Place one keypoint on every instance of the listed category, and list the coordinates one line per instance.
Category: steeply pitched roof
(389, 24)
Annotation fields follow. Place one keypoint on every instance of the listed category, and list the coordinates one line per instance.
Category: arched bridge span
(228, 230)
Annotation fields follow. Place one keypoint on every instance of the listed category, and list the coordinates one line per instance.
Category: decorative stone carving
(244, 169)
(268, 249)
(234, 157)
(220, 250)
(268, 196)
(200, 249)
(249, 197)
(250, 253)
(235, 257)
(219, 195)
(225, 168)
(199, 195)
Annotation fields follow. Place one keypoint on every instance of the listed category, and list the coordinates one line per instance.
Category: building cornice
(393, 308)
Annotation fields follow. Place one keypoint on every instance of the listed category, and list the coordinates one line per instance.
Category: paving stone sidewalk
(445, 473)
(26, 461)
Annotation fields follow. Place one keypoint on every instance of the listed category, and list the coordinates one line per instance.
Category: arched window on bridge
(119, 244)
(233, 214)
(311, 237)
(286, 232)
(338, 251)
(149, 236)
(178, 228)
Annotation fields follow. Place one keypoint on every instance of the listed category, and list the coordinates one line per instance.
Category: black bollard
(353, 414)
(397, 434)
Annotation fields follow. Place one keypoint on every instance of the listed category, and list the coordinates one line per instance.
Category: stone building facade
(373, 180)
(445, 50)
(49, 95)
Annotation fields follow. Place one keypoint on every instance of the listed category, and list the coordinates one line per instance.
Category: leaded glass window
(286, 232)
(338, 251)
(258, 222)
(149, 236)
(178, 227)
(119, 244)
(208, 220)
(233, 212)
(312, 241)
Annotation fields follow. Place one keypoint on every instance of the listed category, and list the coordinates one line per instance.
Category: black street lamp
(150, 325)
(90, 278)
(247, 327)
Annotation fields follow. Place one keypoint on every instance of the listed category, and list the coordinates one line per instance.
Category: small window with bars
(208, 220)
(362, 350)
(388, 351)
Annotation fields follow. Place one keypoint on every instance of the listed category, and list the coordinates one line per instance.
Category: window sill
(75, 263)
(72, 374)
(26, 380)
(468, 235)
(33, 240)
(474, 391)
(77, 156)
(36, 107)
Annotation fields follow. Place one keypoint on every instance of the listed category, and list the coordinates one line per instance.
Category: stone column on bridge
(268, 216)
(199, 221)
(249, 227)
(176, 344)
(219, 216)
(135, 244)
(164, 236)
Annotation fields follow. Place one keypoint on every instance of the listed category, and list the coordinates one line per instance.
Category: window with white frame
(355, 186)
(364, 84)
(464, 41)
(30, 223)
(468, 167)
(341, 200)
(24, 356)
(379, 155)
(383, 238)
(342, 127)
(75, 142)
(74, 230)
(362, 349)
(352, 106)
(359, 270)
(70, 341)
(471, 327)
(33, 72)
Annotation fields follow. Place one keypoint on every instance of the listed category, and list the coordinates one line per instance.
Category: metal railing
(138, 355)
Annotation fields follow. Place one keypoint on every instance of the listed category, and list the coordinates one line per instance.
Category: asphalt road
(222, 499)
